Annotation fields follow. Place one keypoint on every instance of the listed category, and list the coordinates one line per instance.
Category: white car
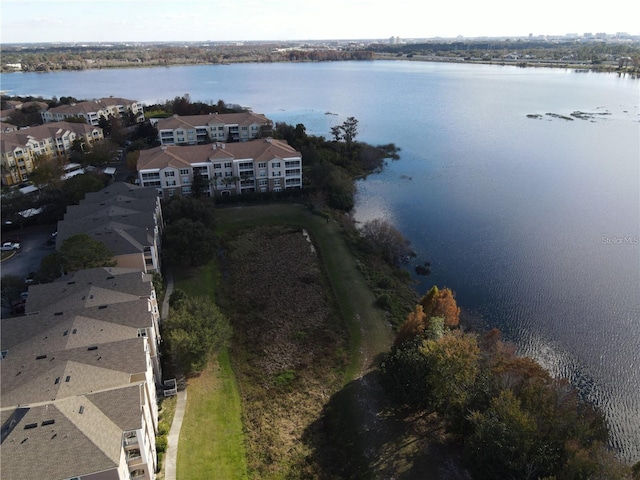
(7, 246)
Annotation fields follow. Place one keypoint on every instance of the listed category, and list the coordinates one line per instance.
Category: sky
(24, 21)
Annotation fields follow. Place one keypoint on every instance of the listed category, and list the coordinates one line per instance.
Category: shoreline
(526, 63)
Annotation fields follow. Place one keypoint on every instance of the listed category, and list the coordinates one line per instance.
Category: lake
(532, 219)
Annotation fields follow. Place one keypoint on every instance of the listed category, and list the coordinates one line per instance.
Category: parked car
(7, 246)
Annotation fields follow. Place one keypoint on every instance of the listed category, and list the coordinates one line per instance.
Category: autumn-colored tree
(413, 326)
(441, 303)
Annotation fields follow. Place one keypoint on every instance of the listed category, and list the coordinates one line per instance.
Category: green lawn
(211, 444)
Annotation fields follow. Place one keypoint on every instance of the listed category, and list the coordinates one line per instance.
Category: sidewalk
(171, 455)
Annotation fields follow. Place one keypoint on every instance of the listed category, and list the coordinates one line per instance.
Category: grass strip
(211, 442)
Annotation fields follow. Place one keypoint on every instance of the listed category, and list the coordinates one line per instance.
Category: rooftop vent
(48, 422)
(92, 348)
(30, 425)
(40, 357)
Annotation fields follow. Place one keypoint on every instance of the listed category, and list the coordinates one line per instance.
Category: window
(277, 174)
(276, 182)
(244, 128)
(186, 190)
(184, 171)
(263, 183)
(170, 174)
(172, 192)
(228, 165)
(275, 165)
(4, 354)
(262, 165)
(217, 166)
(171, 183)
(220, 129)
(142, 332)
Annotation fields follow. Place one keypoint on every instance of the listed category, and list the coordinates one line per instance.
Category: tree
(349, 130)
(132, 160)
(336, 131)
(80, 251)
(51, 268)
(340, 190)
(199, 185)
(195, 330)
(188, 241)
(102, 152)
(441, 303)
(404, 375)
(385, 240)
(504, 443)
(75, 188)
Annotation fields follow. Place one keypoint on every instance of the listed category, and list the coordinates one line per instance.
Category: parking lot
(34, 248)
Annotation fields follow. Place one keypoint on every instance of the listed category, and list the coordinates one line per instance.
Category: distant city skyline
(38, 21)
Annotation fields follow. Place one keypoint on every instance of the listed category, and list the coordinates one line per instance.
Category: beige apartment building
(21, 149)
(93, 110)
(78, 379)
(196, 129)
(265, 165)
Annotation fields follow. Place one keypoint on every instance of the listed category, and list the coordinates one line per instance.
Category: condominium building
(195, 129)
(265, 165)
(126, 218)
(20, 149)
(93, 110)
(78, 380)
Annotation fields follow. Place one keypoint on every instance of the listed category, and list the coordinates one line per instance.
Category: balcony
(134, 457)
(129, 439)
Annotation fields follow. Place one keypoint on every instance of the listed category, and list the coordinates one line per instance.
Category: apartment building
(126, 218)
(265, 165)
(78, 380)
(20, 149)
(93, 110)
(196, 129)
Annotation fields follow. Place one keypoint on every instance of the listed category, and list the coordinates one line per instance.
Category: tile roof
(177, 157)
(193, 121)
(19, 138)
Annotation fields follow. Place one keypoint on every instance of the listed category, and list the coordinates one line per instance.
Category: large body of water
(533, 222)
